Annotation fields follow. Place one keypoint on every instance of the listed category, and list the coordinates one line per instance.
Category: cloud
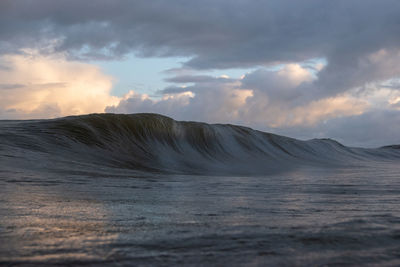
(216, 34)
(373, 128)
(376, 128)
(358, 39)
(318, 67)
(198, 79)
(269, 100)
(5, 86)
(215, 102)
(35, 86)
(260, 97)
(282, 84)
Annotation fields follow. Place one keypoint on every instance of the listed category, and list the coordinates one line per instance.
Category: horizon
(202, 122)
(305, 70)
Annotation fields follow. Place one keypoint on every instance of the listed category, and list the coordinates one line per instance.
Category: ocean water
(78, 198)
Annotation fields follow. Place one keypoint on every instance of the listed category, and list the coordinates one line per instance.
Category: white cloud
(283, 101)
(50, 86)
(261, 97)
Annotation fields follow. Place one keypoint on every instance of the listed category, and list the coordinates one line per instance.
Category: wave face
(155, 143)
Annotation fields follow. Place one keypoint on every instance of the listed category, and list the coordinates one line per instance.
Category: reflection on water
(318, 216)
(41, 223)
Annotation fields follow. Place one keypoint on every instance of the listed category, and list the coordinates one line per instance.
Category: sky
(305, 69)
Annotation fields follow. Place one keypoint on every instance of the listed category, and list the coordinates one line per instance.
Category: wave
(155, 143)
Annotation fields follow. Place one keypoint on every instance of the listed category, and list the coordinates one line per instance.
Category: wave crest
(153, 142)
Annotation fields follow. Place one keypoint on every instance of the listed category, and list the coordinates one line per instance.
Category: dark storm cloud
(364, 129)
(198, 79)
(217, 34)
(374, 128)
(7, 86)
(4, 67)
(172, 90)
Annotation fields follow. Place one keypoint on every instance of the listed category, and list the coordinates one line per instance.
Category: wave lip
(152, 142)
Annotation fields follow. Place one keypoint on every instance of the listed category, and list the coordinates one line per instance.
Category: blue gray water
(306, 217)
(74, 201)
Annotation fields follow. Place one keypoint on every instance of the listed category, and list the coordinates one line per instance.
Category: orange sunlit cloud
(51, 86)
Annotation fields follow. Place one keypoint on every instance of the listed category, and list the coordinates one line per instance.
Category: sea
(145, 190)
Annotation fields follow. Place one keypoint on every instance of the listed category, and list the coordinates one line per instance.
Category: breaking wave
(155, 143)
